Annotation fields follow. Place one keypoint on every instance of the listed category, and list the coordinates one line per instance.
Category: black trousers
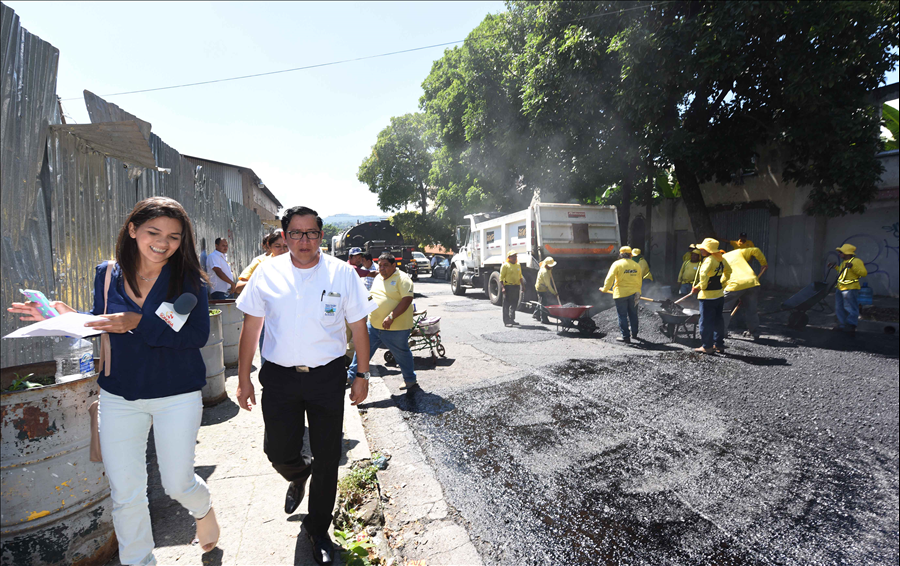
(319, 394)
(510, 302)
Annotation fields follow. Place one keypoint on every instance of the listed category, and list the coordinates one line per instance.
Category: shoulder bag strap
(105, 351)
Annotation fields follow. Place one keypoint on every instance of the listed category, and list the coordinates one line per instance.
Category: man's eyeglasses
(310, 234)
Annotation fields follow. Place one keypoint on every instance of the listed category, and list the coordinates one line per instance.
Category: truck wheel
(494, 289)
(456, 283)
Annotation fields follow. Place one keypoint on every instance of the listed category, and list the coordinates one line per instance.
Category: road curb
(418, 522)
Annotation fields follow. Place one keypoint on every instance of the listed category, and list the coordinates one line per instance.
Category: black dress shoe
(322, 548)
(295, 493)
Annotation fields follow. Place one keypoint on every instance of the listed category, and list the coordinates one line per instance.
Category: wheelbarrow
(570, 317)
(810, 297)
(673, 322)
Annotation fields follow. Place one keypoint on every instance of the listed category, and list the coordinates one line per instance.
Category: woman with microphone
(152, 374)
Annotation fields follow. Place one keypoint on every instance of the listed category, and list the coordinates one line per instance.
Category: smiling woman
(152, 373)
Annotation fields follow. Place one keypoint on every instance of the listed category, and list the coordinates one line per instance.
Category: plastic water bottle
(865, 296)
(74, 358)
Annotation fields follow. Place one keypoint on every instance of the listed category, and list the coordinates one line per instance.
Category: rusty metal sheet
(122, 140)
(102, 111)
(63, 202)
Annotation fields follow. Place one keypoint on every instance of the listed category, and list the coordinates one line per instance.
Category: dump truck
(375, 238)
(583, 239)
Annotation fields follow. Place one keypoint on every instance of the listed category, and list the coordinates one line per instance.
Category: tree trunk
(423, 193)
(693, 200)
(624, 210)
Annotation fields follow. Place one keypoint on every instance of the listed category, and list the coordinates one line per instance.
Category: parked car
(441, 270)
(424, 266)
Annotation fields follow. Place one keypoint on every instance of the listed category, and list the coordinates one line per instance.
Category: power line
(343, 61)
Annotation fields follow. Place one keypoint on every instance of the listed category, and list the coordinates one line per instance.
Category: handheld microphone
(175, 315)
(185, 303)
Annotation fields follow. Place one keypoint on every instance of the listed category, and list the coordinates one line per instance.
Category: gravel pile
(650, 328)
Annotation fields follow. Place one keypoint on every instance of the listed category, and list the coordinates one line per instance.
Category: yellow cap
(511, 253)
(635, 251)
(848, 249)
(625, 250)
(548, 262)
(710, 245)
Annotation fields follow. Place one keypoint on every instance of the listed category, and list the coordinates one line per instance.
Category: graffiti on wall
(880, 252)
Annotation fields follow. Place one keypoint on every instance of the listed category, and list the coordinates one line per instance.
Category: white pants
(124, 429)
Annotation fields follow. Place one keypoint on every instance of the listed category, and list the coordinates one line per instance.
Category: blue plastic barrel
(865, 295)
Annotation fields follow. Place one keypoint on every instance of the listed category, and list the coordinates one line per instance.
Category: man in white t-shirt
(305, 298)
(221, 277)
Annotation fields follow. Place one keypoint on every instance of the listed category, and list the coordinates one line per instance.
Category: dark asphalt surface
(781, 452)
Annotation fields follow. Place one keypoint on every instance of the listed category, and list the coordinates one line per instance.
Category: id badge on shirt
(331, 304)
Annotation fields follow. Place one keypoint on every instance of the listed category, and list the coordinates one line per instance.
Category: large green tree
(397, 170)
(701, 86)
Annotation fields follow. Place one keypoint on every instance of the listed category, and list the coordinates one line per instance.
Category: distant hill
(347, 220)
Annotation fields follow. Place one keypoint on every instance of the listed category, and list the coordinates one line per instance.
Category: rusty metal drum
(56, 506)
(232, 321)
(214, 391)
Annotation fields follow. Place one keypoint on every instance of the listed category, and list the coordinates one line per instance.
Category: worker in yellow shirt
(743, 287)
(688, 271)
(511, 282)
(274, 245)
(742, 242)
(850, 271)
(625, 280)
(692, 249)
(546, 288)
(638, 257)
(711, 279)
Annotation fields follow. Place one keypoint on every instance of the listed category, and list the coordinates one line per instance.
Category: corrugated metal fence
(63, 203)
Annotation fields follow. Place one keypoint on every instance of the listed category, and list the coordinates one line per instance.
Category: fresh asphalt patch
(782, 453)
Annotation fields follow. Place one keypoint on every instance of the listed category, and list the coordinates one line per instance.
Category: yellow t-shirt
(245, 274)
(387, 294)
(544, 283)
(645, 269)
(688, 271)
(749, 253)
(511, 273)
(742, 275)
(849, 279)
(712, 277)
(624, 278)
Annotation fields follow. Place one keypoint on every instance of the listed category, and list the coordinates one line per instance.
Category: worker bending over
(711, 278)
(546, 288)
(624, 278)
(846, 298)
(743, 287)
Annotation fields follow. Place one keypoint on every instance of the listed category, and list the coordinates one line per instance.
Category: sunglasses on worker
(299, 234)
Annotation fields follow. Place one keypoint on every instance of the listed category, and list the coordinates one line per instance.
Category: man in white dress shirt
(221, 277)
(305, 298)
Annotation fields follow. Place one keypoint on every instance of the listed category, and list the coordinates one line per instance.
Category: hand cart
(570, 317)
(425, 334)
(810, 297)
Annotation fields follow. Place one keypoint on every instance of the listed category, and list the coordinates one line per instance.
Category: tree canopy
(606, 101)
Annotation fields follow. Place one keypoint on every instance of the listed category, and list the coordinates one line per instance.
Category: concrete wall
(799, 245)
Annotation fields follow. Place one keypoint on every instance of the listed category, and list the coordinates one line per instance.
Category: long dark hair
(183, 263)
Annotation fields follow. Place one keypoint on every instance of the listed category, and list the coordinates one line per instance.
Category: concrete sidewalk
(247, 494)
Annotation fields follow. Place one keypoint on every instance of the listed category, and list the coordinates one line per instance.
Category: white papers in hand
(69, 324)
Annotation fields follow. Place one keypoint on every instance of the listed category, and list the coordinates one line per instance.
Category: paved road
(561, 448)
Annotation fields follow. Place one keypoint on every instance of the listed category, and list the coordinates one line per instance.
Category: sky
(304, 133)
